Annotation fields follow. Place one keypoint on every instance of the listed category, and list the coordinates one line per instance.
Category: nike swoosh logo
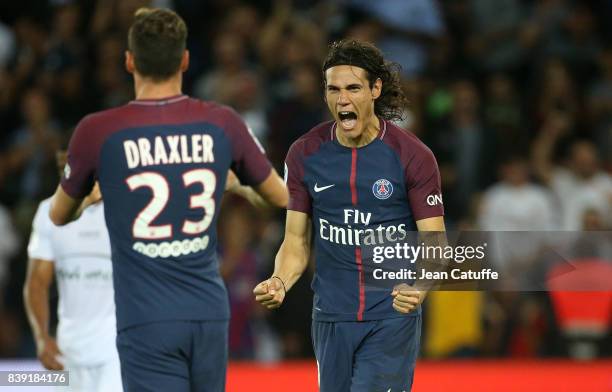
(320, 189)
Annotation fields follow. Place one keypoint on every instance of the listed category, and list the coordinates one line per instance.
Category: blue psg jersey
(162, 167)
(358, 197)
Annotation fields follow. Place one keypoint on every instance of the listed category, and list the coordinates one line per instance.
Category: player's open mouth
(347, 119)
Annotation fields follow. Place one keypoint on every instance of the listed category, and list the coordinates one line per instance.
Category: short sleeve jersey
(162, 167)
(357, 197)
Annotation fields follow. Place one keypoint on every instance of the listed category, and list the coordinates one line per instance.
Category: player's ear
(377, 88)
(129, 62)
(185, 61)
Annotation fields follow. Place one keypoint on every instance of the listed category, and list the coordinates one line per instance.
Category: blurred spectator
(249, 101)
(572, 36)
(65, 44)
(299, 39)
(493, 43)
(599, 107)
(462, 145)
(229, 56)
(31, 50)
(555, 91)
(64, 75)
(29, 159)
(515, 203)
(234, 82)
(503, 112)
(71, 98)
(243, 20)
(545, 18)
(580, 185)
(114, 16)
(112, 87)
(298, 112)
(406, 29)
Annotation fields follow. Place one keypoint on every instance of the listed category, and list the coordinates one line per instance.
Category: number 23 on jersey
(144, 229)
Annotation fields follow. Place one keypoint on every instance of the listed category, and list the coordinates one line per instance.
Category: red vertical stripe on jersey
(361, 284)
(358, 260)
(354, 176)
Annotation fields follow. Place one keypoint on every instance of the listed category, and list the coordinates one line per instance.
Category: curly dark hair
(392, 101)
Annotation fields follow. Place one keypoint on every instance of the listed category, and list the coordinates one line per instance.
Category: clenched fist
(406, 298)
(270, 293)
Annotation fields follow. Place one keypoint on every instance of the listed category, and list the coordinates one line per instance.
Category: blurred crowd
(513, 97)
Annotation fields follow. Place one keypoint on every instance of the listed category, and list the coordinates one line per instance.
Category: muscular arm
(431, 224)
(36, 300)
(432, 232)
(274, 189)
(406, 298)
(65, 209)
(555, 126)
(291, 261)
(36, 295)
(294, 253)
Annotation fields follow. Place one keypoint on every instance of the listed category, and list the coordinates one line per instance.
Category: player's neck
(372, 128)
(146, 88)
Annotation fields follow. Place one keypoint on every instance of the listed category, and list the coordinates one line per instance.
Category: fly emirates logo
(348, 235)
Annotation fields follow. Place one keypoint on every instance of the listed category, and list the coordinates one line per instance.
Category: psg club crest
(382, 189)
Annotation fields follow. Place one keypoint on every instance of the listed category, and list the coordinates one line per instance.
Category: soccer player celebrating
(162, 162)
(348, 179)
(78, 255)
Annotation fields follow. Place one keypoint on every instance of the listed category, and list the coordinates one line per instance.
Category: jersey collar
(159, 101)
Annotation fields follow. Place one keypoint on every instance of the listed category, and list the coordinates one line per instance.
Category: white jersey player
(79, 255)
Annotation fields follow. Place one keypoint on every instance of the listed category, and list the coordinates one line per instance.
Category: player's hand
(406, 298)
(48, 353)
(231, 183)
(270, 293)
(95, 196)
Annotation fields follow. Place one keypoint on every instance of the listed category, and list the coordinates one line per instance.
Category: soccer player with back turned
(348, 180)
(162, 161)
